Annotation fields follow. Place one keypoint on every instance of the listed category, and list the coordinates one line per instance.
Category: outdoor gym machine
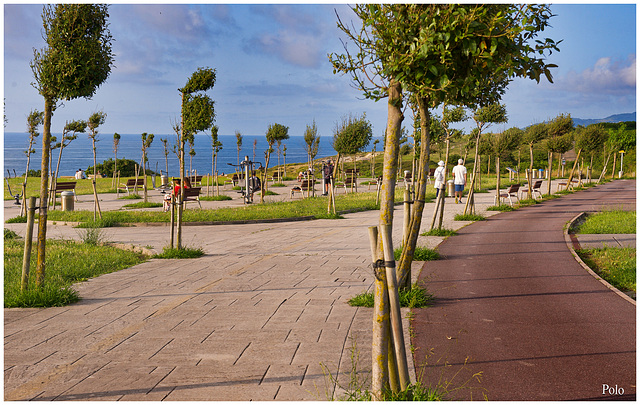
(251, 182)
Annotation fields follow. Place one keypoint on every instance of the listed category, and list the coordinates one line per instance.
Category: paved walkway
(514, 305)
(262, 316)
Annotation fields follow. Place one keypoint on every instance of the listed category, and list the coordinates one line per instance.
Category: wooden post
(573, 170)
(28, 240)
(173, 219)
(394, 305)
(380, 339)
(407, 216)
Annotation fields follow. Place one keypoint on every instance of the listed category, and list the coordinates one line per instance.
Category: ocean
(79, 153)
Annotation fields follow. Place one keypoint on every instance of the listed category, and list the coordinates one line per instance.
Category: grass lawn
(67, 263)
(613, 221)
(616, 265)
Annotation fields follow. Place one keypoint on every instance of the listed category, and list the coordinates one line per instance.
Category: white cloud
(607, 76)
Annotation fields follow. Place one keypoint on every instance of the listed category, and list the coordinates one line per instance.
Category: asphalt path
(518, 318)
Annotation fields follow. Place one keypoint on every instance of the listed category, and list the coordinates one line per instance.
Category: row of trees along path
(452, 54)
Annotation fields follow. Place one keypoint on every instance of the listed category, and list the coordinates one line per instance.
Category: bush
(126, 167)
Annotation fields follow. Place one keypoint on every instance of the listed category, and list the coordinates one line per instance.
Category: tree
(311, 142)
(34, 120)
(69, 134)
(461, 54)
(450, 115)
(281, 136)
(500, 144)
(75, 61)
(591, 139)
(559, 140)
(197, 114)
(147, 139)
(116, 144)
(620, 138)
(351, 136)
(274, 132)
(165, 150)
(532, 135)
(239, 144)
(95, 120)
(216, 146)
(484, 117)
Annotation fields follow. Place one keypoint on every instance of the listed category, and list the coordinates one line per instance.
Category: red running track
(513, 304)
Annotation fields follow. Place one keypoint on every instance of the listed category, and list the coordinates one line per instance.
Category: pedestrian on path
(438, 177)
(459, 179)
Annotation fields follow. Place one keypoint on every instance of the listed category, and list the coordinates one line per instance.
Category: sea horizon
(79, 154)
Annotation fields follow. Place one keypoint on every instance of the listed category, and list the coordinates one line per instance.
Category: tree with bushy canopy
(76, 59)
(559, 140)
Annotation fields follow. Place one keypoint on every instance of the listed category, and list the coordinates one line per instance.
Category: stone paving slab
(262, 316)
(606, 240)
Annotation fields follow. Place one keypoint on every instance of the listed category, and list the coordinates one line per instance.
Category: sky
(272, 66)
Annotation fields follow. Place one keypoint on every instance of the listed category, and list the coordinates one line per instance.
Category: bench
(534, 189)
(563, 183)
(277, 176)
(350, 182)
(192, 194)
(235, 179)
(511, 191)
(305, 185)
(131, 184)
(195, 180)
(64, 186)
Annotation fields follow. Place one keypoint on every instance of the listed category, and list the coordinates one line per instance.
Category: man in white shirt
(459, 179)
(438, 176)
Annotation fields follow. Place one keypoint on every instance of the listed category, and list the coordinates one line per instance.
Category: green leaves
(352, 135)
(203, 79)
(77, 57)
(277, 132)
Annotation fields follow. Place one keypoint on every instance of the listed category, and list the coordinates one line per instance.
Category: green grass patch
(415, 297)
(278, 185)
(269, 192)
(440, 232)
(468, 217)
(182, 253)
(143, 204)
(312, 206)
(105, 222)
(527, 202)
(131, 197)
(420, 254)
(68, 262)
(216, 198)
(613, 221)
(616, 265)
(9, 234)
(501, 208)
(17, 220)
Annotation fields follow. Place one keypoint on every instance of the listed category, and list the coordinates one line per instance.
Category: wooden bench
(305, 185)
(511, 191)
(534, 189)
(563, 183)
(350, 182)
(195, 180)
(235, 179)
(131, 184)
(192, 194)
(277, 176)
(64, 186)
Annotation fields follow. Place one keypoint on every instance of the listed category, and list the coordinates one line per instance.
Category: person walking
(438, 177)
(328, 174)
(459, 180)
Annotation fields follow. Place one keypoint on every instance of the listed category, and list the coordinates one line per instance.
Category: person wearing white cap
(438, 177)
(459, 179)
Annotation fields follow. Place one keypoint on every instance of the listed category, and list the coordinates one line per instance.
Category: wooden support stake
(394, 304)
(28, 240)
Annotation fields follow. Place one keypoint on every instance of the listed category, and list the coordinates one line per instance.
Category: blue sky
(272, 66)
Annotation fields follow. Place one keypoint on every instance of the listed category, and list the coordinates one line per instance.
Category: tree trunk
(530, 180)
(394, 127)
(573, 170)
(96, 204)
(44, 193)
(549, 173)
(497, 180)
(380, 344)
(408, 250)
(181, 176)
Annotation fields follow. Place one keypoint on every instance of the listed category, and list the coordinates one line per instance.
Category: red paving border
(514, 305)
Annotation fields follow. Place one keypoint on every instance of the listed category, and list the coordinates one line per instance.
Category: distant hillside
(611, 118)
